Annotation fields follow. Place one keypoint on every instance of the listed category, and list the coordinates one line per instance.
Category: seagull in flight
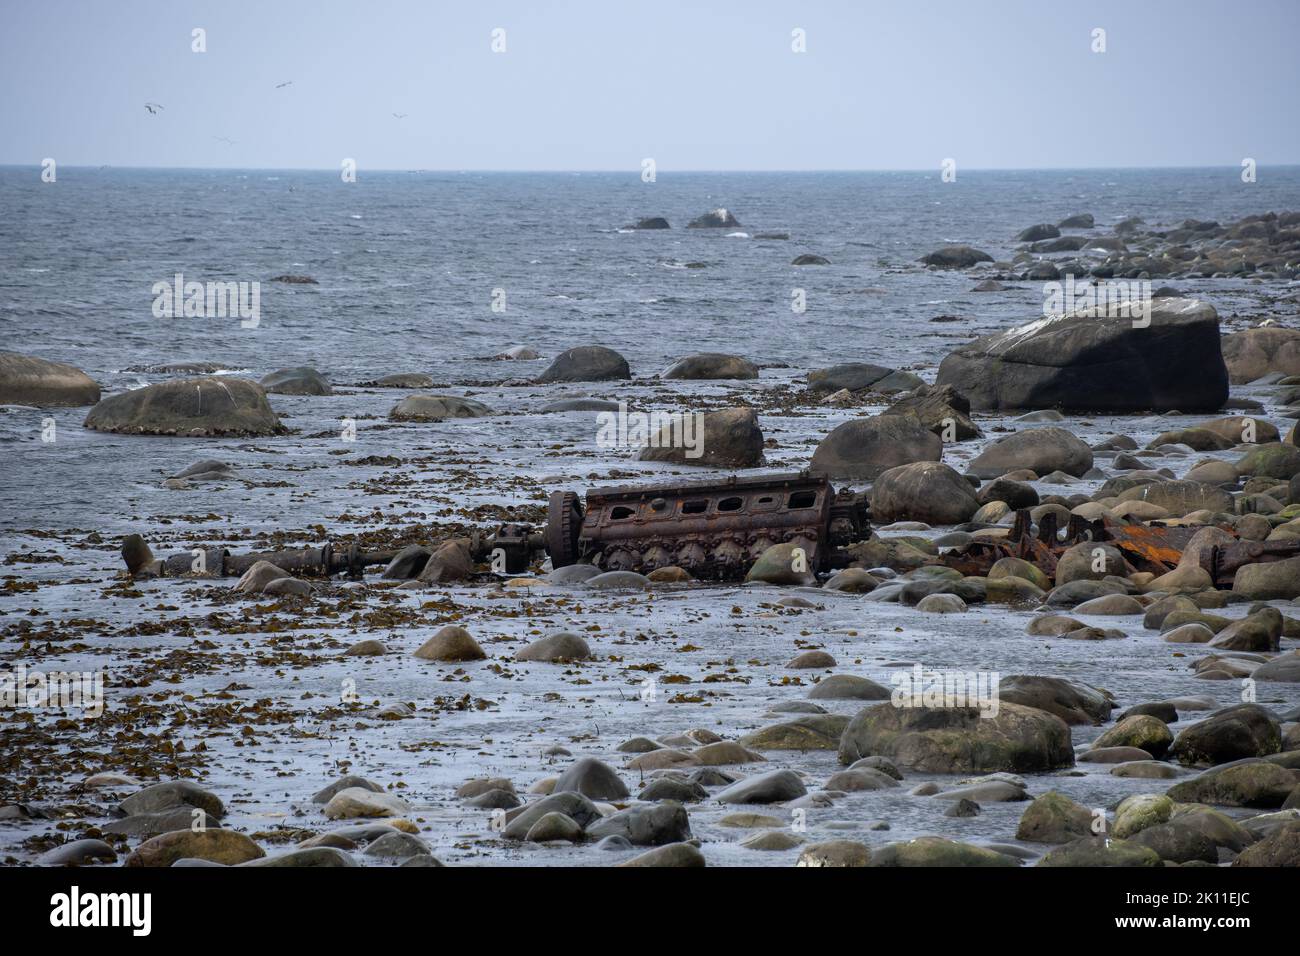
(225, 139)
(153, 108)
(280, 86)
(401, 115)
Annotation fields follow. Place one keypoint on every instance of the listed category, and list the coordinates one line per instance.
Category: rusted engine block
(714, 530)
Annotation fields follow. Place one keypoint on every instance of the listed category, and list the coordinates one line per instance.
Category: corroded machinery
(714, 530)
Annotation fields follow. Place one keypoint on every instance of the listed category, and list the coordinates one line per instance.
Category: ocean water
(407, 261)
(406, 265)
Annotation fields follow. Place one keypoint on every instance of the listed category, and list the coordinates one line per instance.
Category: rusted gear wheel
(563, 522)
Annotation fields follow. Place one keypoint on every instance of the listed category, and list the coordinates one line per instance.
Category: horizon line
(634, 171)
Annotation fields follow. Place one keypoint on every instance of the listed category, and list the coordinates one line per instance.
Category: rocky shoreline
(448, 714)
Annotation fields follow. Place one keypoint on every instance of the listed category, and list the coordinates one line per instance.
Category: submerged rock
(190, 407)
(711, 365)
(714, 219)
(956, 257)
(586, 363)
(301, 380)
(436, 408)
(27, 380)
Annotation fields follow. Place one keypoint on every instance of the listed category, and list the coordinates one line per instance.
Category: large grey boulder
(959, 740)
(190, 407)
(854, 376)
(942, 409)
(586, 363)
(866, 447)
(27, 380)
(1073, 702)
(714, 219)
(1041, 450)
(926, 491)
(956, 257)
(711, 365)
(300, 380)
(724, 438)
(436, 408)
(1090, 361)
(1254, 353)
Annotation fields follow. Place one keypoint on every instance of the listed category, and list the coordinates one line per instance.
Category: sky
(605, 84)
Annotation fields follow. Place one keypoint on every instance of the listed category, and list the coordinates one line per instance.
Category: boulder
(714, 219)
(573, 805)
(559, 647)
(863, 448)
(450, 562)
(586, 363)
(1054, 818)
(959, 740)
(1073, 702)
(300, 380)
(775, 786)
(1094, 851)
(942, 409)
(937, 851)
(216, 846)
(956, 257)
(723, 438)
(1285, 668)
(1246, 730)
(1086, 361)
(655, 824)
(1180, 498)
(853, 376)
(782, 564)
(27, 380)
(1254, 353)
(1138, 730)
(436, 408)
(1260, 631)
(835, 853)
(711, 365)
(1268, 581)
(1044, 230)
(1040, 450)
(674, 854)
(190, 407)
(1254, 784)
(923, 491)
(352, 802)
(451, 643)
(1280, 848)
(1271, 460)
(591, 778)
(809, 732)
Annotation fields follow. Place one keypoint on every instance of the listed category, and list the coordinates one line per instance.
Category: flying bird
(280, 86)
(401, 115)
(225, 139)
(153, 108)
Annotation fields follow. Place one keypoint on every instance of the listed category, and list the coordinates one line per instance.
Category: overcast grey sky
(602, 84)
